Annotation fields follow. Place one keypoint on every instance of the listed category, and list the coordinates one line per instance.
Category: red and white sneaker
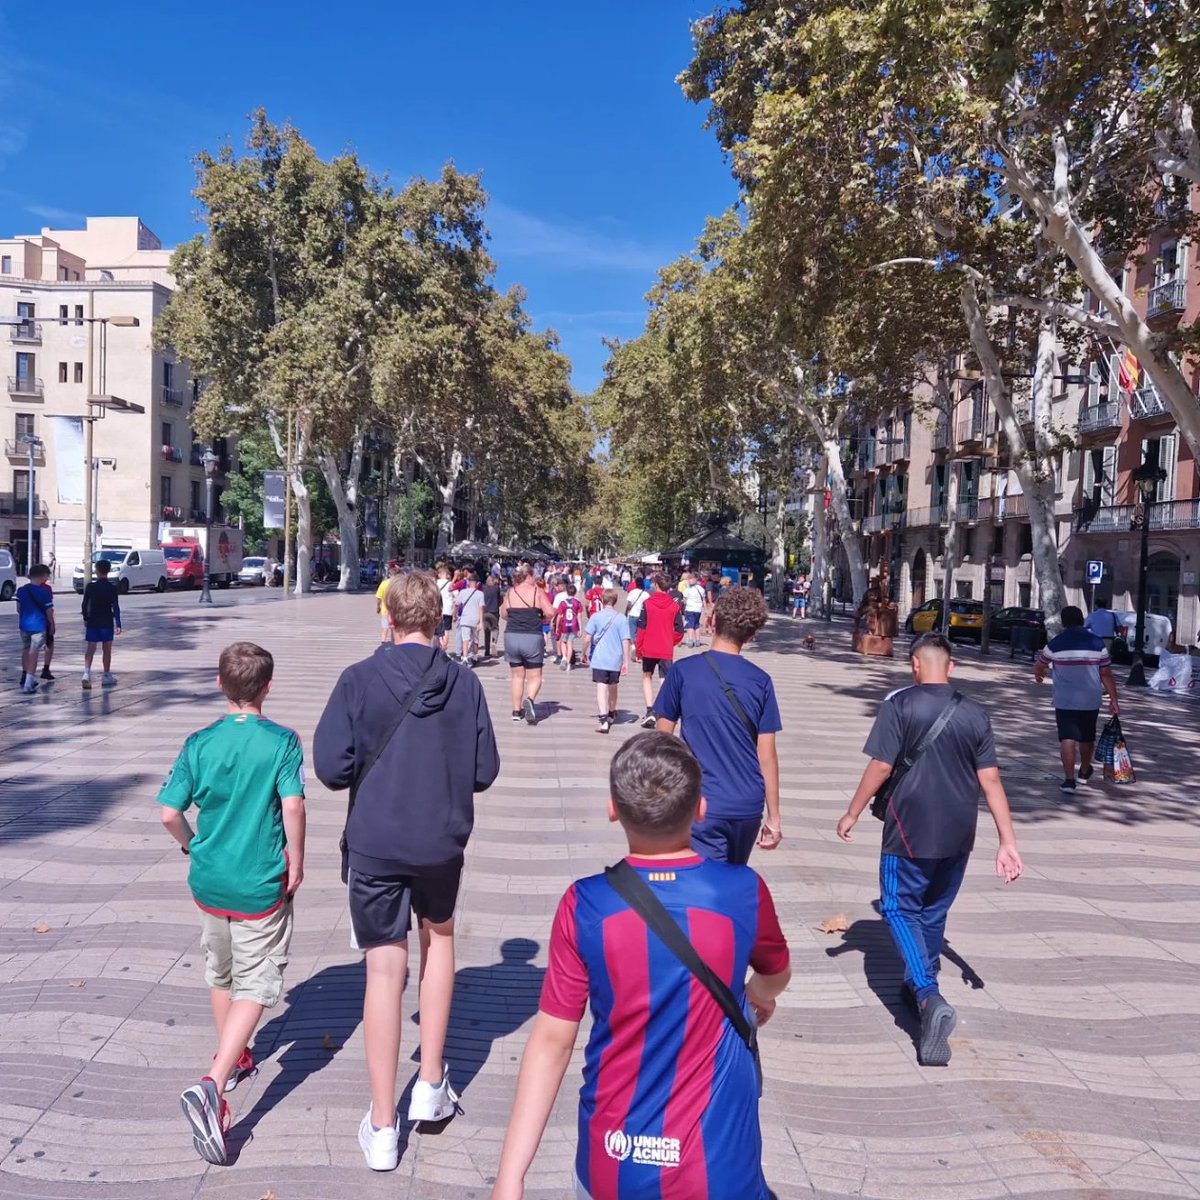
(209, 1118)
(244, 1068)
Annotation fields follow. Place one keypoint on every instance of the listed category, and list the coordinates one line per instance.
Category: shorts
(491, 621)
(98, 635)
(525, 650)
(726, 839)
(691, 620)
(246, 956)
(447, 623)
(383, 621)
(1077, 724)
(34, 641)
(663, 665)
(546, 629)
(609, 677)
(381, 906)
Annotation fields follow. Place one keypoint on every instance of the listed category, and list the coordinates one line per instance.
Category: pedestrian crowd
(677, 949)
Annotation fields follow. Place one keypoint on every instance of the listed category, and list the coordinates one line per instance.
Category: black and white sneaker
(517, 715)
(1084, 776)
(529, 711)
(612, 716)
(603, 724)
(1067, 785)
(649, 720)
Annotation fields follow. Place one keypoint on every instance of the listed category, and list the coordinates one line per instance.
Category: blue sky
(599, 170)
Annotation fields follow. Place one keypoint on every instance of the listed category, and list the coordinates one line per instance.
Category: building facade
(59, 293)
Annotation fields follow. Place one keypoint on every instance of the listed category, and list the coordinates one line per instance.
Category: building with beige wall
(56, 288)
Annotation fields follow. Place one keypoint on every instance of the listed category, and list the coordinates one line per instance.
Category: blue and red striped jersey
(669, 1103)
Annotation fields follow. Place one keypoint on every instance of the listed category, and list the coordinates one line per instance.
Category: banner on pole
(273, 499)
(371, 518)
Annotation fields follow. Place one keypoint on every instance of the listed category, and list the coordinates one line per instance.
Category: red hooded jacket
(659, 628)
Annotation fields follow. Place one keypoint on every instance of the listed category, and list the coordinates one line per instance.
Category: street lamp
(1147, 477)
(211, 462)
(32, 445)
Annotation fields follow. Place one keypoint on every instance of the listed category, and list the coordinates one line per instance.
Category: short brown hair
(739, 613)
(655, 783)
(414, 603)
(660, 581)
(611, 596)
(244, 669)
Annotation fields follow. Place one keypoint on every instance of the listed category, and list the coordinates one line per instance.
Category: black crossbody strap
(934, 731)
(634, 890)
(743, 716)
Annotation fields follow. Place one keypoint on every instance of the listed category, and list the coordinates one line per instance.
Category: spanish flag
(1129, 373)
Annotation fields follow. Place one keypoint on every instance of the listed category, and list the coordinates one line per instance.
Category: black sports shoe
(649, 720)
(1067, 785)
(603, 724)
(46, 675)
(938, 1019)
(612, 716)
(516, 716)
(1086, 775)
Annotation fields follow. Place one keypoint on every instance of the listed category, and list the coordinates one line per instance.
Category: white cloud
(517, 234)
(59, 216)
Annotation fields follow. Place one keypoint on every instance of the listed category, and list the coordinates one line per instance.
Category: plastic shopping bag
(1175, 676)
(1107, 741)
(1121, 769)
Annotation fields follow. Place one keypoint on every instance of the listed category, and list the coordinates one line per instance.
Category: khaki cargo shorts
(246, 957)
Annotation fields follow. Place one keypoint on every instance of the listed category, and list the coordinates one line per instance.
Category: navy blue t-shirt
(733, 783)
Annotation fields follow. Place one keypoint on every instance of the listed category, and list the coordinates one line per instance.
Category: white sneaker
(433, 1102)
(109, 680)
(87, 681)
(29, 686)
(380, 1147)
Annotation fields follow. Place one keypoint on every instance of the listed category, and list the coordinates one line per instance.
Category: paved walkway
(1075, 1070)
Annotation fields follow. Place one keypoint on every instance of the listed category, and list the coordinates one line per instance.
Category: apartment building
(900, 471)
(59, 293)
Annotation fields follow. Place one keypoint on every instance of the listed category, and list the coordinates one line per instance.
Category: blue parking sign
(1095, 571)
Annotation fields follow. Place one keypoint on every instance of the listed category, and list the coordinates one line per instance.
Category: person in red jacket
(659, 631)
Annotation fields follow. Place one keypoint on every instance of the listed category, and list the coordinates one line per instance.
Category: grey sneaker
(938, 1019)
(529, 711)
(208, 1116)
(109, 680)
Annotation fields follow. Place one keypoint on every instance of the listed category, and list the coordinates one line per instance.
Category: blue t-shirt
(1076, 658)
(733, 783)
(34, 601)
(609, 632)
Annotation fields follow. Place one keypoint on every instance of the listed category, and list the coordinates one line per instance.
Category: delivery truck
(183, 550)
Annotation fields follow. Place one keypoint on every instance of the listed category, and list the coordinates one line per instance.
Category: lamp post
(1147, 477)
(32, 445)
(211, 463)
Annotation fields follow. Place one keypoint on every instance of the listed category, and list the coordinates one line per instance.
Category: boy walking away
(470, 616)
(595, 593)
(730, 718)
(101, 621)
(491, 610)
(408, 732)
(35, 616)
(929, 826)
(659, 631)
(569, 618)
(693, 611)
(1082, 673)
(607, 646)
(245, 775)
(380, 593)
(669, 1103)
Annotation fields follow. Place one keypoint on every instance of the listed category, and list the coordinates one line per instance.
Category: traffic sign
(1095, 571)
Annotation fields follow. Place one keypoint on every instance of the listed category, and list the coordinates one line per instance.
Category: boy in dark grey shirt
(929, 829)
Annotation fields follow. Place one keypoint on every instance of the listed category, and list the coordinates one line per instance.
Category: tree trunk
(303, 535)
(818, 575)
(447, 490)
(779, 558)
(1061, 228)
(1034, 466)
(950, 554)
(344, 493)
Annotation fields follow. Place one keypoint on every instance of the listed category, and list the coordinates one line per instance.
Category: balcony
(894, 452)
(970, 511)
(171, 512)
(172, 454)
(15, 504)
(977, 429)
(172, 396)
(1167, 515)
(1146, 403)
(941, 434)
(1100, 418)
(24, 385)
(196, 457)
(26, 333)
(1170, 296)
(920, 517)
(878, 522)
(197, 516)
(19, 448)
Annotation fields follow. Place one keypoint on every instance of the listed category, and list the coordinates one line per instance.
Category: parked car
(1004, 620)
(8, 575)
(254, 571)
(130, 568)
(966, 618)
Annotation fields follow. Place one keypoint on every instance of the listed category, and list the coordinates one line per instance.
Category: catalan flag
(1129, 372)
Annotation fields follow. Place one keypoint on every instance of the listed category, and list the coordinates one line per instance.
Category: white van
(8, 575)
(130, 568)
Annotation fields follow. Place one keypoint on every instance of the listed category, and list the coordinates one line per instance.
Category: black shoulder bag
(731, 695)
(883, 797)
(380, 747)
(634, 890)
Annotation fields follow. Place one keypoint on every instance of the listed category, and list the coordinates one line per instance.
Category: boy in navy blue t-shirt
(35, 615)
(101, 621)
(730, 718)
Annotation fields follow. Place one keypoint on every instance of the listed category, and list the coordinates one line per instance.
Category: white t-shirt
(560, 598)
(447, 597)
(694, 598)
(635, 599)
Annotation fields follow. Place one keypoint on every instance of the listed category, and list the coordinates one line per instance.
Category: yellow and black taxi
(966, 618)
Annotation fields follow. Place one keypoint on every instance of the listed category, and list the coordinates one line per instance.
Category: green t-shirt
(237, 772)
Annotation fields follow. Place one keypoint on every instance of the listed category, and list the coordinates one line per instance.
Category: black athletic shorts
(605, 676)
(447, 624)
(381, 906)
(1077, 724)
(663, 665)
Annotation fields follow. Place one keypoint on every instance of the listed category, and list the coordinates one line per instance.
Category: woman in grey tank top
(524, 610)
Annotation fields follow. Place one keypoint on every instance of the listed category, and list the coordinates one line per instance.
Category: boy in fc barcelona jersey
(669, 1103)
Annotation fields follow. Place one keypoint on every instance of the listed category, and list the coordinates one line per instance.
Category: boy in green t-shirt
(245, 775)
